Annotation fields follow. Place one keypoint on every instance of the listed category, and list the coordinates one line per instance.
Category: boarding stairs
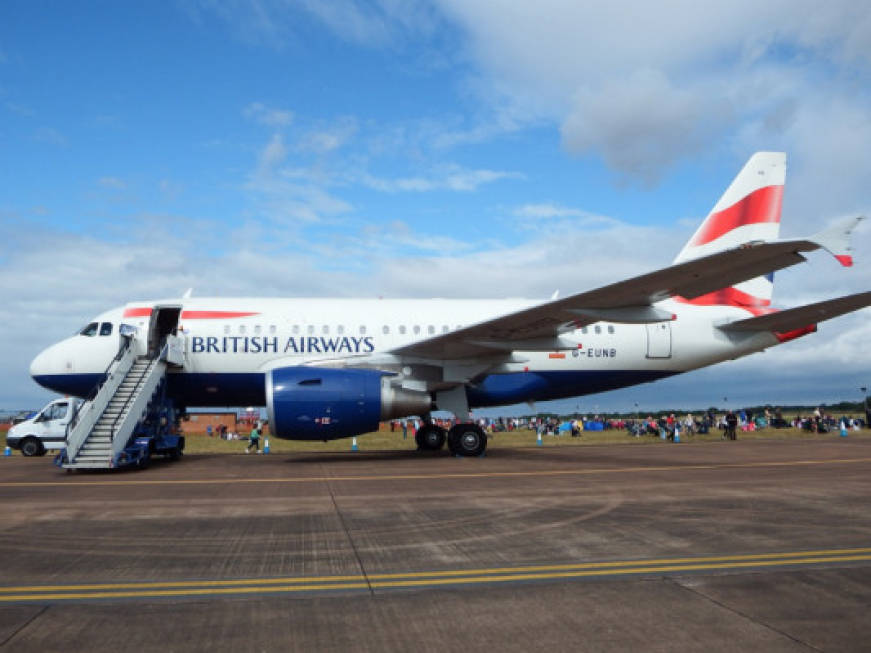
(104, 424)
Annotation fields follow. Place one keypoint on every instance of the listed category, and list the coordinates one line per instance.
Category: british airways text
(270, 345)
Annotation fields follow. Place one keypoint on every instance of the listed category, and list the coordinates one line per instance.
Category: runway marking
(427, 578)
(417, 477)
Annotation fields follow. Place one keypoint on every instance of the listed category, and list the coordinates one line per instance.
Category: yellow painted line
(617, 572)
(418, 477)
(565, 570)
(395, 584)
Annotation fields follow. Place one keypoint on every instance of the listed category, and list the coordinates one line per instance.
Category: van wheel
(31, 447)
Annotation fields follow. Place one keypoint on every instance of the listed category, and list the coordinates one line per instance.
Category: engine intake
(313, 403)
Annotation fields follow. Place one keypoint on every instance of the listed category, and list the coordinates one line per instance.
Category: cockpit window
(90, 330)
(106, 329)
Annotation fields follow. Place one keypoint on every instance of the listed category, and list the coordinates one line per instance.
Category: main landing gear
(430, 437)
(462, 439)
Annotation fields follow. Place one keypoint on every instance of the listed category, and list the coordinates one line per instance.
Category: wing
(538, 328)
(802, 316)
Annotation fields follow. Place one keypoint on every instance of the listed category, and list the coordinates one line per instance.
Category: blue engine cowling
(312, 403)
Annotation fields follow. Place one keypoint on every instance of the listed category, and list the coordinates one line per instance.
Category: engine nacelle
(315, 403)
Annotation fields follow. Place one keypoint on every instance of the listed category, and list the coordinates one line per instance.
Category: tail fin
(748, 211)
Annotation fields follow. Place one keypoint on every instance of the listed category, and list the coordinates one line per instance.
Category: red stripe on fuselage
(214, 315)
(762, 205)
(137, 312)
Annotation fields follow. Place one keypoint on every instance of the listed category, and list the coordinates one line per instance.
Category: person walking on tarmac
(731, 426)
(254, 439)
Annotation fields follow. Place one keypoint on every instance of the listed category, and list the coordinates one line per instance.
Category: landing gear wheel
(31, 447)
(430, 437)
(467, 440)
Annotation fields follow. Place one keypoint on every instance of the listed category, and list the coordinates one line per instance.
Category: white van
(45, 431)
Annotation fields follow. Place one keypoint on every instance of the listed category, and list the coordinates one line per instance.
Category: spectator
(254, 439)
(731, 426)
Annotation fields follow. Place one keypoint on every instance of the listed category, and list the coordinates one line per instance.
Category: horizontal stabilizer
(802, 316)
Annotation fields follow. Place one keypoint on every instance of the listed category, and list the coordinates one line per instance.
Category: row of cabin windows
(340, 329)
(598, 329)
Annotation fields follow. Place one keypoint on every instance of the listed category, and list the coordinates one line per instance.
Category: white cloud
(112, 182)
(452, 178)
(548, 210)
(328, 139)
(641, 124)
(269, 116)
(50, 136)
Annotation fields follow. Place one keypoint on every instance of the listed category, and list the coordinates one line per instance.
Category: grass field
(387, 441)
(384, 440)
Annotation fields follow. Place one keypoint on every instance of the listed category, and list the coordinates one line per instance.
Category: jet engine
(312, 403)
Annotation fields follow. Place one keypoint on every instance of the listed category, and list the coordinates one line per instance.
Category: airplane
(335, 368)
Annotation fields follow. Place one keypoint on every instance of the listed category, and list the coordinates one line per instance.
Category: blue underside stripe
(248, 389)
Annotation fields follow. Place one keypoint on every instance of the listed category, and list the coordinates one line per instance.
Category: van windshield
(90, 330)
(55, 411)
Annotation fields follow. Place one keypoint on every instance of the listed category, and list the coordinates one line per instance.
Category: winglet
(836, 239)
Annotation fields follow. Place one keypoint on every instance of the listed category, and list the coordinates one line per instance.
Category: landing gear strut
(430, 437)
(467, 440)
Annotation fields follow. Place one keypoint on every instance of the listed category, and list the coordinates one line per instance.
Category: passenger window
(430, 329)
(241, 328)
(445, 328)
(340, 329)
(610, 328)
(584, 330)
(362, 330)
(226, 328)
(385, 329)
(402, 329)
(295, 329)
(106, 329)
(311, 329)
(416, 329)
(598, 329)
(90, 330)
(325, 329)
(257, 328)
(271, 328)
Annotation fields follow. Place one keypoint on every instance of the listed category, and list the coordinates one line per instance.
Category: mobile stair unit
(102, 433)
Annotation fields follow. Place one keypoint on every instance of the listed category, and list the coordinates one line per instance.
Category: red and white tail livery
(749, 211)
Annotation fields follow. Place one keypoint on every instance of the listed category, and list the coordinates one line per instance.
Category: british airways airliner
(334, 368)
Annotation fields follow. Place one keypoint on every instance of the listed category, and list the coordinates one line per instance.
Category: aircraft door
(164, 322)
(659, 340)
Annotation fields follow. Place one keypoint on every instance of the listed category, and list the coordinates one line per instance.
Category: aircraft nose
(47, 364)
(39, 365)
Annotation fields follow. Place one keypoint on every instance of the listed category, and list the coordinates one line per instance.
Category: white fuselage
(232, 343)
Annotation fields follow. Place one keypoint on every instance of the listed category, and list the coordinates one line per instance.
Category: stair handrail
(74, 420)
(87, 415)
(138, 401)
(144, 375)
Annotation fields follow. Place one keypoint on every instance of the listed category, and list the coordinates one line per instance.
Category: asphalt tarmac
(724, 546)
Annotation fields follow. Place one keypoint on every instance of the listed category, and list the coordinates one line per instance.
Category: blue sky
(414, 149)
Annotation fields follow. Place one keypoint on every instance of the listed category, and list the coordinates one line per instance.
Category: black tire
(467, 440)
(430, 437)
(30, 446)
